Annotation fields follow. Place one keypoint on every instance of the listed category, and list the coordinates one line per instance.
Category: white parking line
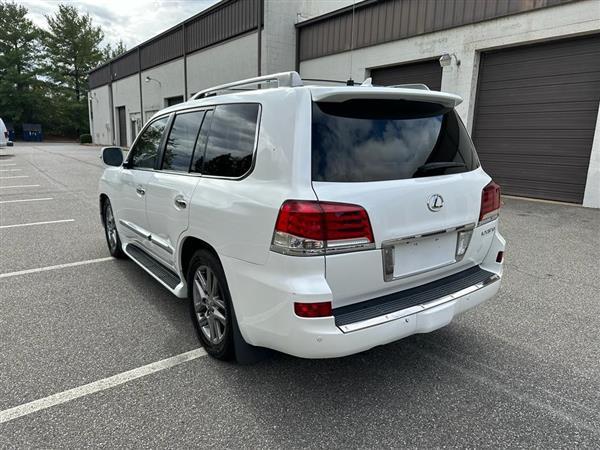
(10, 170)
(97, 386)
(30, 224)
(27, 200)
(21, 186)
(16, 176)
(6, 165)
(58, 266)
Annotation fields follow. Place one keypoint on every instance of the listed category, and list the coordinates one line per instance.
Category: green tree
(72, 49)
(111, 52)
(20, 88)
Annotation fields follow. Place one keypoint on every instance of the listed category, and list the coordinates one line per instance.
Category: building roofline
(336, 12)
(204, 12)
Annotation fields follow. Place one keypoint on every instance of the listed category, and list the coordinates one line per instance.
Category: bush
(85, 139)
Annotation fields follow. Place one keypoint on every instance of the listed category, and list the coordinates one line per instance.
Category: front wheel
(210, 305)
(111, 233)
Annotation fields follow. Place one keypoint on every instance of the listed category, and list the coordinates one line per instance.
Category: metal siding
(426, 72)
(99, 77)
(125, 66)
(225, 21)
(388, 20)
(535, 117)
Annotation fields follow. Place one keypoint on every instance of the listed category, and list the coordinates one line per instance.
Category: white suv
(317, 221)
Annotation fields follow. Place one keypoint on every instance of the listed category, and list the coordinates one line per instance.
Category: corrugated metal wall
(376, 22)
(223, 21)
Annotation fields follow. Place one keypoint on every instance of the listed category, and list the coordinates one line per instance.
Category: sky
(133, 21)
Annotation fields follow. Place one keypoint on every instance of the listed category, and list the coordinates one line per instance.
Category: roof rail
(420, 86)
(283, 79)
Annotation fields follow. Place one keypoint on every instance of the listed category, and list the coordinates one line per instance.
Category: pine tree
(72, 49)
(19, 47)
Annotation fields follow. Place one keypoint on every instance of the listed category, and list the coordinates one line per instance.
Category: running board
(162, 274)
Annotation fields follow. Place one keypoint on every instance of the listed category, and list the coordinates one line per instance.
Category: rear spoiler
(338, 95)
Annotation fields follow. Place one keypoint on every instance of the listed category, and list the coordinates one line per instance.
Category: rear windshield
(377, 140)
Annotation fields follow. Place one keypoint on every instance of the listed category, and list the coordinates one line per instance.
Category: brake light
(306, 228)
(321, 309)
(490, 203)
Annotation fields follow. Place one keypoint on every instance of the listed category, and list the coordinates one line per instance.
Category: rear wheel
(111, 233)
(210, 305)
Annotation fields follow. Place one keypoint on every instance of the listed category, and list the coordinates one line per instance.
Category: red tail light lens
(490, 202)
(312, 227)
(322, 309)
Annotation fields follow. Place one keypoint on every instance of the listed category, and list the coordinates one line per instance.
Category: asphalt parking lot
(520, 371)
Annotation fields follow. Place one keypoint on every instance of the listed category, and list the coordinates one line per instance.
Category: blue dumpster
(32, 132)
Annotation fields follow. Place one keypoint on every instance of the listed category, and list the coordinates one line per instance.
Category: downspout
(259, 19)
(185, 83)
(112, 109)
(140, 83)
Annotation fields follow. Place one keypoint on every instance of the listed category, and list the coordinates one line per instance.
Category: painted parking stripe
(31, 224)
(98, 386)
(21, 186)
(16, 176)
(10, 170)
(56, 267)
(27, 200)
(6, 165)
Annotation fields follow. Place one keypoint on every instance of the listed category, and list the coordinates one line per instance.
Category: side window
(200, 148)
(145, 151)
(230, 144)
(181, 141)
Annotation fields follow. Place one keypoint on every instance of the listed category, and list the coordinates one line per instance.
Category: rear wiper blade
(439, 165)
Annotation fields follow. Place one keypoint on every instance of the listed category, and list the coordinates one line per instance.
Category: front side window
(145, 150)
(181, 141)
(377, 140)
(231, 140)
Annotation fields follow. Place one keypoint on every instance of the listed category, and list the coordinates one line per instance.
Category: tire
(110, 232)
(210, 305)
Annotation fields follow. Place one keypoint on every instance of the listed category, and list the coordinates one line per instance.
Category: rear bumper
(263, 298)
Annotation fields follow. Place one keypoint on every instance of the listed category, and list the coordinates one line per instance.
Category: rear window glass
(377, 140)
(231, 140)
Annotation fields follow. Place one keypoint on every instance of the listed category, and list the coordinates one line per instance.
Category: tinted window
(146, 148)
(230, 143)
(375, 140)
(181, 141)
(200, 148)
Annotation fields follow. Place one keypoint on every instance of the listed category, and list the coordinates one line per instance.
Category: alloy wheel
(209, 305)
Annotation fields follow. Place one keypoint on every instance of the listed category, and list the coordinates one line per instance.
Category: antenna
(350, 81)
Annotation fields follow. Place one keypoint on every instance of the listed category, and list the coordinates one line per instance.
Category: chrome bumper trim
(419, 308)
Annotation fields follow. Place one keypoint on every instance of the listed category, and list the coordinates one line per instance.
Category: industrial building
(528, 71)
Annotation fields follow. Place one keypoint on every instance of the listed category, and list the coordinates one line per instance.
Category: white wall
(467, 42)
(230, 61)
(101, 126)
(126, 92)
(169, 84)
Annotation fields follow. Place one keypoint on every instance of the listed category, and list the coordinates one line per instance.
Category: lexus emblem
(435, 202)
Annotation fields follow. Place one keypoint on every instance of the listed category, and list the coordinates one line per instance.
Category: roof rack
(283, 79)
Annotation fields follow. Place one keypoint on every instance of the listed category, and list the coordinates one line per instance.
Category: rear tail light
(6, 134)
(306, 228)
(321, 309)
(490, 203)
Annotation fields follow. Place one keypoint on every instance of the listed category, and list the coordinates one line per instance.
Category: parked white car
(3, 134)
(317, 221)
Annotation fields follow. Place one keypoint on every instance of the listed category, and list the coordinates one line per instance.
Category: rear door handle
(180, 202)
(140, 190)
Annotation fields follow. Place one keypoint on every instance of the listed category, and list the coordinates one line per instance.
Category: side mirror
(112, 156)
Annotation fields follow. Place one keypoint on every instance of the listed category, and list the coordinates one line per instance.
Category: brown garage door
(426, 72)
(535, 116)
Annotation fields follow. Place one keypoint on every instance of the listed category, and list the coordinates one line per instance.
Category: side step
(399, 304)
(162, 273)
